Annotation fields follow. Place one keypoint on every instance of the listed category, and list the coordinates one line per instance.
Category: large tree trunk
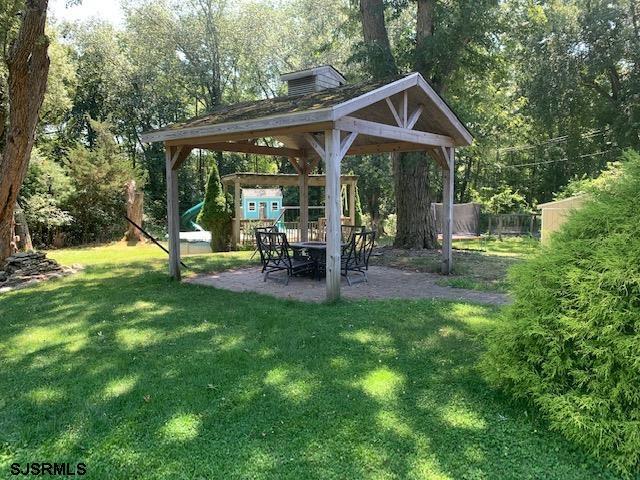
(28, 67)
(23, 237)
(415, 222)
(135, 211)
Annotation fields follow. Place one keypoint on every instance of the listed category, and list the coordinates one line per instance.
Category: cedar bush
(215, 214)
(570, 343)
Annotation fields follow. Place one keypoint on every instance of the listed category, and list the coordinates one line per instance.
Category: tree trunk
(28, 67)
(23, 237)
(415, 223)
(374, 31)
(135, 212)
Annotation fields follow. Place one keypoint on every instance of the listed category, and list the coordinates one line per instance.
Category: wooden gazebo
(330, 121)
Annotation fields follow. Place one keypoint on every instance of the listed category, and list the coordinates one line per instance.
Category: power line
(566, 159)
(555, 140)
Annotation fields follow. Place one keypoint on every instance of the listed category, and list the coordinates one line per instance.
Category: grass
(141, 377)
(479, 264)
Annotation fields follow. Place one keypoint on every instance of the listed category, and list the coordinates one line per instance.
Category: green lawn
(141, 377)
(478, 264)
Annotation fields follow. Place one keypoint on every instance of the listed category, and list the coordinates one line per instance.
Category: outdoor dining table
(317, 252)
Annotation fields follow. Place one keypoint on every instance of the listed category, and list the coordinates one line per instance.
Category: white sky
(108, 10)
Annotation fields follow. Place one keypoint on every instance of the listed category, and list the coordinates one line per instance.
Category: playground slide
(188, 218)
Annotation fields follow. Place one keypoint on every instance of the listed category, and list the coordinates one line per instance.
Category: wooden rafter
(381, 130)
(311, 140)
(394, 111)
(252, 148)
(346, 143)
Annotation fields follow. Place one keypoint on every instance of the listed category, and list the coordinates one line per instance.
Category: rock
(24, 268)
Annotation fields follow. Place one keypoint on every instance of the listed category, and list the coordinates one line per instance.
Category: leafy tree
(215, 215)
(27, 66)
(98, 177)
(44, 195)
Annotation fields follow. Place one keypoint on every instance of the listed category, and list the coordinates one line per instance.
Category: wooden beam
(273, 122)
(381, 130)
(195, 141)
(311, 140)
(237, 208)
(415, 116)
(303, 190)
(346, 143)
(352, 202)
(405, 107)
(182, 156)
(394, 111)
(386, 147)
(173, 216)
(251, 148)
(283, 179)
(333, 212)
(447, 212)
(374, 96)
(440, 156)
(296, 165)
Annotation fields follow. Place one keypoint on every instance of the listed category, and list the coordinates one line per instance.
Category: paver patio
(384, 283)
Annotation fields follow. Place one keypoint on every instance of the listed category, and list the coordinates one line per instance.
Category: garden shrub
(570, 343)
(215, 214)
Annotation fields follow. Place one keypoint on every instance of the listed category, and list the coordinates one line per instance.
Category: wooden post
(303, 188)
(333, 211)
(173, 215)
(447, 211)
(237, 205)
(352, 202)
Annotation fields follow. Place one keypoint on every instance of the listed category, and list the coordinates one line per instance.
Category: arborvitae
(215, 215)
(570, 342)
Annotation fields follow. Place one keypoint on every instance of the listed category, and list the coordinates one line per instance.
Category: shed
(554, 214)
(261, 203)
(399, 114)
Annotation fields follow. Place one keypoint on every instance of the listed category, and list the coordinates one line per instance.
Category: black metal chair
(274, 253)
(346, 232)
(355, 255)
(272, 228)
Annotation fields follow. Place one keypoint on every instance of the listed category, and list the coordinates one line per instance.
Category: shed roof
(261, 192)
(569, 200)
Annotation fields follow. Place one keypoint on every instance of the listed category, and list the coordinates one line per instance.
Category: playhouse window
(274, 206)
(252, 206)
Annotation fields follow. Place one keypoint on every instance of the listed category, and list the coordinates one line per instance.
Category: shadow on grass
(142, 377)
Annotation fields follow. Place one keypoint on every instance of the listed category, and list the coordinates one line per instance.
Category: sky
(108, 10)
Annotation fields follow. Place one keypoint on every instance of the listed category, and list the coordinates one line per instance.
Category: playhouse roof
(261, 192)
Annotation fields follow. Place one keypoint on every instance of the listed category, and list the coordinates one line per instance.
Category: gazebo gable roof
(364, 100)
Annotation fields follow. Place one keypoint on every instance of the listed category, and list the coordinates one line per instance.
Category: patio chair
(346, 232)
(272, 228)
(274, 253)
(355, 256)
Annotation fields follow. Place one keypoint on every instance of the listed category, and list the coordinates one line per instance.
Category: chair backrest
(274, 248)
(346, 232)
(358, 250)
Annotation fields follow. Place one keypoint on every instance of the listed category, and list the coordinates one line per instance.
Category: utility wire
(555, 140)
(566, 159)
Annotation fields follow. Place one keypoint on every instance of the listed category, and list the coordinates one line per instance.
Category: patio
(384, 283)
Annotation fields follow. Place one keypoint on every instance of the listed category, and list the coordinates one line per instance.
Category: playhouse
(261, 203)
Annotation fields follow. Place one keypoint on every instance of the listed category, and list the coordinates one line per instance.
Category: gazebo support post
(333, 208)
(352, 203)
(447, 209)
(173, 216)
(303, 187)
(237, 214)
